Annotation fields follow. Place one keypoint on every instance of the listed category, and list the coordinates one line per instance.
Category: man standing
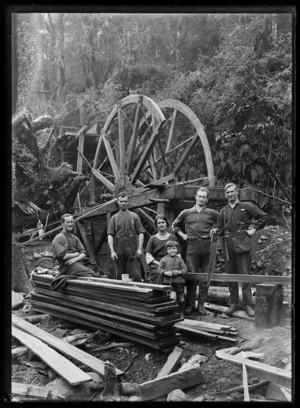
(125, 240)
(69, 252)
(238, 221)
(198, 222)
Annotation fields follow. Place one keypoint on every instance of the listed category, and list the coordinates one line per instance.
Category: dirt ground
(273, 256)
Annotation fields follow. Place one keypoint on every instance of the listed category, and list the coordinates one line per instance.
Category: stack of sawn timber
(140, 312)
(212, 331)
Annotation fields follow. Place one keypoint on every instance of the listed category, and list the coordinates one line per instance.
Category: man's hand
(114, 256)
(71, 261)
(168, 273)
(183, 235)
(139, 252)
(251, 231)
(176, 272)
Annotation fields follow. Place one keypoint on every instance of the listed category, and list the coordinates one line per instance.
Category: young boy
(172, 268)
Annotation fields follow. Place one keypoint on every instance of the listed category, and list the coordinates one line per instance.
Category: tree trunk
(19, 274)
(14, 62)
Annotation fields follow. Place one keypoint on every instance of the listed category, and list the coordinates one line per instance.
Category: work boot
(248, 309)
(188, 310)
(201, 309)
(231, 309)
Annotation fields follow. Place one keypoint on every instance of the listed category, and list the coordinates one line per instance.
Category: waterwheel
(143, 143)
(146, 148)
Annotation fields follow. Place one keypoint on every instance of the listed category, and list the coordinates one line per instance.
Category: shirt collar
(195, 208)
(237, 204)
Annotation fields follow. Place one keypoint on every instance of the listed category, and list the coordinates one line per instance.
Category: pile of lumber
(212, 331)
(140, 312)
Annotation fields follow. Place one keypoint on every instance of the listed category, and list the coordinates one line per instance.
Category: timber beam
(177, 192)
(224, 277)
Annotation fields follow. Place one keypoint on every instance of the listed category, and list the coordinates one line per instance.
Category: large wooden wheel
(126, 143)
(186, 147)
(144, 144)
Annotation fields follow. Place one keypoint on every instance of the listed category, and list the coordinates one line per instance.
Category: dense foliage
(233, 70)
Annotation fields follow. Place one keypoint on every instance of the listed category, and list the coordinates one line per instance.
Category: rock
(134, 398)
(263, 237)
(147, 357)
(177, 395)
(193, 362)
(82, 391)
(17, 300)
(59, 332)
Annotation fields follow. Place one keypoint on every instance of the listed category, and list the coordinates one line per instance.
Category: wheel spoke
(111, 157)
(133, 138)
(171, 131)
(103, 180)
(184, 155)
(146, 153)
(121, 142)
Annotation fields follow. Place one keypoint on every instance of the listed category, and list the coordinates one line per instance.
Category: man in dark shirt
(125, 240)
(198, 222)
(239, 219)
(69, 252)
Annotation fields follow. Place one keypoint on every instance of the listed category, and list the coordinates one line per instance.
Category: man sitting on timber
(125, 240)
(237, 222)
(69, 252)
(197, 221)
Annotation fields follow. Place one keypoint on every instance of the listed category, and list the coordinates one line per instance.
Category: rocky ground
(273, 256)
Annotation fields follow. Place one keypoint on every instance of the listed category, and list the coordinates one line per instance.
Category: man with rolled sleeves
(198, 222)
(239, 219)
(125, 240)
(69, 253)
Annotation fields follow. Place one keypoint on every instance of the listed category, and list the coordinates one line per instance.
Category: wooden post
(162, 208)
(269, 304)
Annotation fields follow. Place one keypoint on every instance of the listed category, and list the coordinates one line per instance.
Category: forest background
(235, 71)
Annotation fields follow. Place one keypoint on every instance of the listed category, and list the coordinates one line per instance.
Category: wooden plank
(275, 392)
(221, 309)
(273, 374)
(119, 285)
(224, 277)
(171, 362)
(107, 320)
(205, 325)
(146, 308)
(30, 391)
(158, 387)
(183, 325)
(159, 345)
(62, 366)
(114, 298)
(212, 336)
(136, 320)
(245, 380)
(115, 307)
(67, 349)
(163, 288)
